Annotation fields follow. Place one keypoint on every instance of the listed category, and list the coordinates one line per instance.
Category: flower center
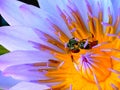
(90, 64)
(85, 59)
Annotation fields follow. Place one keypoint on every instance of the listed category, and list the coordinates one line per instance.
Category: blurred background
(4, 23)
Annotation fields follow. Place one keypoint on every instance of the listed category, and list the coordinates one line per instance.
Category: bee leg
(72, 58)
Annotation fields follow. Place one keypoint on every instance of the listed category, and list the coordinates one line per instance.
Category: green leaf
(3, 50)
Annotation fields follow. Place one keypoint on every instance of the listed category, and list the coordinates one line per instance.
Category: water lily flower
(70, 44)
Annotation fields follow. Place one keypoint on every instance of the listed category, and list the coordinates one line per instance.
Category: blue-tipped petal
(6, 82)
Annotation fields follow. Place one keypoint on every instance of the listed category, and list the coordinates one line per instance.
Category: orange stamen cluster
(97, 67)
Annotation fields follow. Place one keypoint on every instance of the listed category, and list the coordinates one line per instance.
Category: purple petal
(9, 9)
(40, 19)
(23, 57)
(26, 72)
(51, 6)
(116, 7)
(16, 38)
(107, 8)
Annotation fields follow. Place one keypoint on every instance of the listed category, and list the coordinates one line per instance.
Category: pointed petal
(9, 9)
(26, 72)
(82, 8)
(23, 57)
(40, 19)
(16, 38)
(29, 86)
(95, 7)
(10, 38)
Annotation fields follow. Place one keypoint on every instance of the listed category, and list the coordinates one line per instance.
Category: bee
(89, 44)
(75, 45)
